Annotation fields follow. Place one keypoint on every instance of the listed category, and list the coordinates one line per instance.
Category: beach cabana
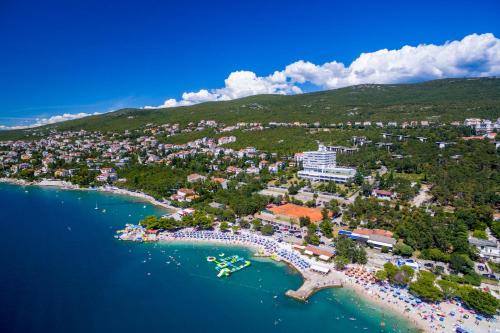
(320, 269)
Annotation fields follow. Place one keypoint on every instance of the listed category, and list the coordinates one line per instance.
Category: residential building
(321, 165)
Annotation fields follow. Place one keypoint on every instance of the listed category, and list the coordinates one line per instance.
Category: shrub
(403, 250)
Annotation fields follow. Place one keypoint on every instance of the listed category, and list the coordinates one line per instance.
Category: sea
(62, 270)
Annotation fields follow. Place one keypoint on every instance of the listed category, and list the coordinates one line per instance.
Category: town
(390, 197)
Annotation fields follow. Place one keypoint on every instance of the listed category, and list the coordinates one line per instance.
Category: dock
(310, 286)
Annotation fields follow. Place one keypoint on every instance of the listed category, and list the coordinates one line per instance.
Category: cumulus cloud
(473, 56)
(50, 120)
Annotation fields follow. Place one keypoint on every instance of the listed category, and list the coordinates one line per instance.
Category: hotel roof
(296, 211)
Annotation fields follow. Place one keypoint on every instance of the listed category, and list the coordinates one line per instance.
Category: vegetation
(395, 275)
(425, 287)
(448, 99)
(352, 251)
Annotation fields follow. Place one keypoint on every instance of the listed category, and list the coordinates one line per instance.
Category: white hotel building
(321, 165)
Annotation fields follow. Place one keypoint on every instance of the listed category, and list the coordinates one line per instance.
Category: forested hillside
(440, 101)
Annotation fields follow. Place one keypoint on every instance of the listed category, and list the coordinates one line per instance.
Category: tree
(267, 230)
(480, 301)
(366, 189)
(341, 262)
(326, 229)
(390, 270)
(461, 263)
(224, 226)
(358, 178)
(480, 234)
(304, 221)
(311, 237)
(381, 275)
(403, 250)
(360, 255)
(347, 248)
(450, 289)
(424, 287)
(150, 222)
(404, 275)
(257, 224)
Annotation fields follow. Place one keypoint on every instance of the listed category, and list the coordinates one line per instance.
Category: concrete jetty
(314, 284)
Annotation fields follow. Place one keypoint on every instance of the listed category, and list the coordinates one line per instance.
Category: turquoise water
(62, 271)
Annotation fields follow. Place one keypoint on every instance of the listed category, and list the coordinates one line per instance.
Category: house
(234, 170)
(382, 194)
(61, 173)
(194, 178)
(221, 181)
(488, 249)
(263, 164)
(184, 195)
(252, 170)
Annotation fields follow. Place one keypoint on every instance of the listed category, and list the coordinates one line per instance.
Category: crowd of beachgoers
(443, 317)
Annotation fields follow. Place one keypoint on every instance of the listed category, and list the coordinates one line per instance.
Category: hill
(438, 100)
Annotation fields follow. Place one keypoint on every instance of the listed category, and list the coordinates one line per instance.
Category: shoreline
(398, 309)
(357, 289)
(415, 317)
(64, 185)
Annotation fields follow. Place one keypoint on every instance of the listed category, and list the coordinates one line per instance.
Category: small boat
(96, 207)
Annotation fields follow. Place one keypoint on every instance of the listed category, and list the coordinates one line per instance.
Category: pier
(314, 284)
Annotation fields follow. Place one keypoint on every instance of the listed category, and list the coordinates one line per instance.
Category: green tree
(425, 288)
(257, 224)
(326, 229)
(381, 275)
(450, 289)
(341, 262)
(461, 263)
(224, 226)
(480, 301)
(267, 230)
(304, 221)
(403, 250)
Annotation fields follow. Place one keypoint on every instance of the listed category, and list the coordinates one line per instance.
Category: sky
(67, 59)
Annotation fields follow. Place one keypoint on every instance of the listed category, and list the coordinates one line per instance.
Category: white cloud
(51, 120)
(473, 56)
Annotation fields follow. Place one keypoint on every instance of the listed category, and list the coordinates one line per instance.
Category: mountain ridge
(439, 100)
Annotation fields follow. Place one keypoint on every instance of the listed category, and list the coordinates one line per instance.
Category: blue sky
(89, 56)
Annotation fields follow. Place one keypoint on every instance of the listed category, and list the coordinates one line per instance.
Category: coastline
(415, 322)
(396, 307)
(417, 318)
(64, 185)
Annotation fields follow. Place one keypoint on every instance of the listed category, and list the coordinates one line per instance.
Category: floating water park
(228, 265)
